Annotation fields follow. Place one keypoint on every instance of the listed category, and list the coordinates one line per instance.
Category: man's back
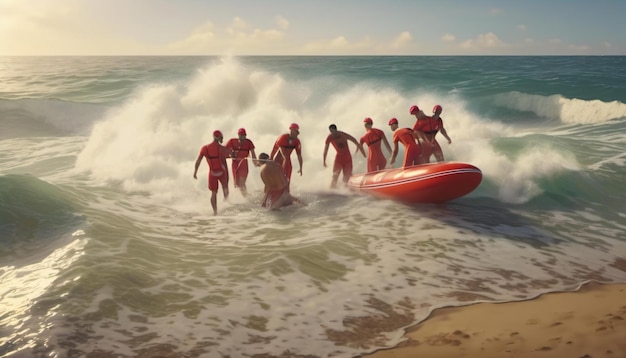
(272, 176)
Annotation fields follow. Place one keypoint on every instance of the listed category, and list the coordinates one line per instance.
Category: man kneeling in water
(276, 185)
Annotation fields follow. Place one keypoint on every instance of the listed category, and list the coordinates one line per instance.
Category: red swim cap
(241, 131)
(368, 120)
(437, 109)
(218, 134)
(294, 126)
(414, 110)
(393, 121)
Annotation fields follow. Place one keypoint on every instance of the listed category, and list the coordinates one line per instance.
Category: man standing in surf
(215, 155)
(426, 128)
(411, 150)
(436, 127)
(285, 144)
(276, 189)
(343, 159)
(373, 137)
(241, 147)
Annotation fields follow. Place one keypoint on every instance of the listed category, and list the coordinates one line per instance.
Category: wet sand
(589, 323)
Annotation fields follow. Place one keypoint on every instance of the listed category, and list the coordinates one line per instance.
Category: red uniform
(375, 158)
(216, 155)
(411, 150)
(240, 164)
(343, 159)
(288, 144)
(430, 127)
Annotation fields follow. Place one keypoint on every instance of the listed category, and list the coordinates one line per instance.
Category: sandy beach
(589, 323)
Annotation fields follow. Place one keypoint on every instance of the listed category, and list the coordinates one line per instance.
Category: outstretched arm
(299, 161)
(274, 150)
(254, 161)
(394, 153)
(386, 143)
(195, 170)
(325, 153)
(445, 134)
(358, 145)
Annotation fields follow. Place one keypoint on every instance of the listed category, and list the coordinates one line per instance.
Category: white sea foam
(568, 110)
(150, 142)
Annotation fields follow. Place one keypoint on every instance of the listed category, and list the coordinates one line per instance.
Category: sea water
(109, 246)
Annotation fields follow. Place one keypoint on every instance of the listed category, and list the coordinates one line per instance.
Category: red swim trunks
(275, 199)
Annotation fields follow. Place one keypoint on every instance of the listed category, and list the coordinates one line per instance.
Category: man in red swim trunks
(373, 137)
(215, 155)
(285, 144)
(407, 137)
(242, 147)
(435, 126)
(426, 128)
(343, 159)
(276, 185)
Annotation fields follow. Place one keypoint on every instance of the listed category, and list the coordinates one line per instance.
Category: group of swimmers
(276, 168)
(275, 172)
(419, 143)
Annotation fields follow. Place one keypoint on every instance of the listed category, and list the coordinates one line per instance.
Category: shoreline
(587, 323)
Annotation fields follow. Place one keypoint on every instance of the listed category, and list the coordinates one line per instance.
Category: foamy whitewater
(109, 246)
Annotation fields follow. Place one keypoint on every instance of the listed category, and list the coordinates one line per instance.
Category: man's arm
(325, 152)
(299, 161)
(198, 161)
(394, 153)
(384, 138)
(358, 145)
(276, 147)
(445, 134)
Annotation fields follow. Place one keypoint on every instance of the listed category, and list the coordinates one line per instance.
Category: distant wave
(572, 111)
(40, 117)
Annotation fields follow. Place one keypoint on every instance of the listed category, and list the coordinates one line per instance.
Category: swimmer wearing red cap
(373, 138)
(284, 146)
(343, 159)
(427, 128)
(242, 147)
(215, 155)
(407, 136)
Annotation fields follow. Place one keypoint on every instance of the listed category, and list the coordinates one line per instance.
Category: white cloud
(402, 40)
(483, 41)
(237, 26)
(282, 23)
(495, 11)
(239, 38)
(522, 27)
(201, 38)
(448, 38)
(339, 42)
(340, 45)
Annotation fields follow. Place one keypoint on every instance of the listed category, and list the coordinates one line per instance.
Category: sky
(319, 27)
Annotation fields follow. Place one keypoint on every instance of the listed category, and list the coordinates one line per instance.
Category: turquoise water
(109, 246)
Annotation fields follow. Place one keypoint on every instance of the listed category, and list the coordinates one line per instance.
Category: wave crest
(571, 111)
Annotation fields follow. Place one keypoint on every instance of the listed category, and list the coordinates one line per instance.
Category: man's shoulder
(283, 137)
